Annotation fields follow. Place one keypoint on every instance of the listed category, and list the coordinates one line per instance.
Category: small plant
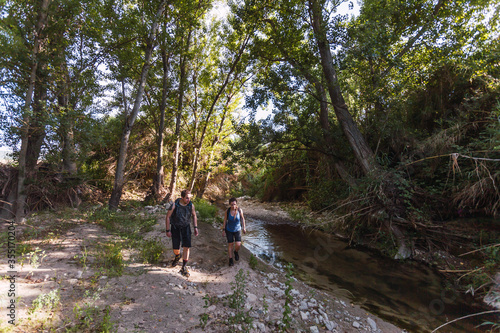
(209, 300)
(206, 210)
(152, 251)
(89, 318)
(83, 258)
(35, 257)
(23, 249)
(237, 302)
(110, 259)
(265, 305)
(253, 262)
(287, 319)
(47, 301)
(204, 320)
(106, 326)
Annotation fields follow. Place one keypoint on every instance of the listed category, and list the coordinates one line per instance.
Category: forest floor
(62, 285)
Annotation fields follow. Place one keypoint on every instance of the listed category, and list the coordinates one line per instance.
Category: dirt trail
(156, 298)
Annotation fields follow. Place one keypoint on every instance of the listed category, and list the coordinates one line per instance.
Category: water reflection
(412, 296)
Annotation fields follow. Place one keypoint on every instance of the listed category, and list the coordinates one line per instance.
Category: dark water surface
(410, 295)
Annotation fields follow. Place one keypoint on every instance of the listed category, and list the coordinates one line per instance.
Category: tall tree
(178, 117)
(129, 123)
(38, 41)
(360, 147)
(228, 73)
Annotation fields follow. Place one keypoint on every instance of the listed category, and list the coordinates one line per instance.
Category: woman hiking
(234, 223)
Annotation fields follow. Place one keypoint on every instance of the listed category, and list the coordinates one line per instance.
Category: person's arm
(224, 224)
(242, 221)
(167, 221)
(195, 220)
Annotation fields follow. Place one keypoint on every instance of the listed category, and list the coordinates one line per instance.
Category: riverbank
(60, 288)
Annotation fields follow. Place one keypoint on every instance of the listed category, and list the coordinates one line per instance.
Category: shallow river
(411, 296)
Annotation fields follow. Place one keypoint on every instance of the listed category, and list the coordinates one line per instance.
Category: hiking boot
(231, 262)
(176, 260)
(184, 272)
(236, 256)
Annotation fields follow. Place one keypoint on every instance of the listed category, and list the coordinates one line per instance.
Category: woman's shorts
(233, 236)
(180, 234)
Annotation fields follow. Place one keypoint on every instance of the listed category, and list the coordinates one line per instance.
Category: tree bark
(25, 127)
(182, 81)
(120, 178)
(37, 133)
(67, 124)
(363, 153)
(158, 179)
(324, 120)
(216, 99)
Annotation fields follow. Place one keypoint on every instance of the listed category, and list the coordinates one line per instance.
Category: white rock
(331, 325)
(372, 324)
(303, 306)
(251, 298)
(355, 324)
(304, 315)
(314, 329)
(261, 327)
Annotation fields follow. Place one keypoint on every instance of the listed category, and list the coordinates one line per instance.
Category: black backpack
(176, 204)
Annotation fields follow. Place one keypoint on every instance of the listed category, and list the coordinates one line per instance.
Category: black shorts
(180, 234)
(233, 236)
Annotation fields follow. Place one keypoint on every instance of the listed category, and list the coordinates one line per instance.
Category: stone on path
(372, 324)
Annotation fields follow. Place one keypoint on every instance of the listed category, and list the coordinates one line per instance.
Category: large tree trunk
(67, 124)
(182, 82)
(363, 153)
(25, 127)
(120, 178)
(159, 177)
(37, 131)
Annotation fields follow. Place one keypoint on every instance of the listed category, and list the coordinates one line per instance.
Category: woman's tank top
(233, 222)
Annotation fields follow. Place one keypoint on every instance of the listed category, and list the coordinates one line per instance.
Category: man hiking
(178, 223)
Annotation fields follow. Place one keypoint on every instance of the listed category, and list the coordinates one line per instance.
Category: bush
(205, 209)
(152, 251)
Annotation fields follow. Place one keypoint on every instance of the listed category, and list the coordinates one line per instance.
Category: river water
(410, 295)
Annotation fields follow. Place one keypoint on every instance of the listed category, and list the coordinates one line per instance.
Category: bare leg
(185, 253)
(237, 246)
(230, 249)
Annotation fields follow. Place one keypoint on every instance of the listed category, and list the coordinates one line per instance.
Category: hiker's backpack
(173, 217)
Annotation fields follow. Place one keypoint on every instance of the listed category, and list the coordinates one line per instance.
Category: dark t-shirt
(181, 217)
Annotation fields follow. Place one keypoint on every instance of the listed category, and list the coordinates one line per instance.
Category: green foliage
(287, 319)
(152, 251)
(325, 193)
(90, 318)
(205, 208)
(482, 276)
(237, 301)
(49, 301)
(36, 257)
(126, 225)
(253, 261)
(110, 258)
(204, 320)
